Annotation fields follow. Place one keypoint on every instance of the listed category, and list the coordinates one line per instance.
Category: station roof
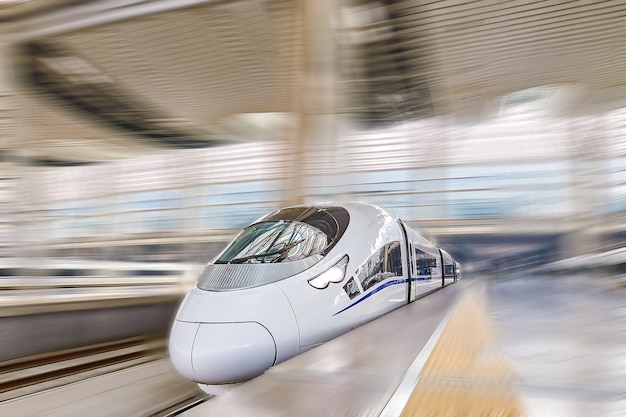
(100, 80)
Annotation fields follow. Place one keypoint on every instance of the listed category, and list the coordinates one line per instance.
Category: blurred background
(138, 137)
(153, 130)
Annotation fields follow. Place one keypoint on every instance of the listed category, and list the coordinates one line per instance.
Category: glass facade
(423, 170)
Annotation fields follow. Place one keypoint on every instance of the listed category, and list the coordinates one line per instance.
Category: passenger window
(385, 263)
(426, 263)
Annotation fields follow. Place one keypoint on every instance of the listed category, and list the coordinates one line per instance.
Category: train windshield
(272, 242)
(282, 244)
(286, 235)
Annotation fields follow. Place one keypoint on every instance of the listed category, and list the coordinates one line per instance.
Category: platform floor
(353, 375)
(465, 374)
(503, 346)
(565, 341)
(509, 346)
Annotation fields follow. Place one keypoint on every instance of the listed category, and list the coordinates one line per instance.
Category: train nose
(218, 353)
(180, 347)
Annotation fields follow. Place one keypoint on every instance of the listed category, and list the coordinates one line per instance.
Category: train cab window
(287, 235)
(291, 239)
(274, 242)
(331, 220)
(383, 264)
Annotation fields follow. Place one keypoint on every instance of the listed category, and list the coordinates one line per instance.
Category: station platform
(527, 346)
(499, 346)
(434, 357)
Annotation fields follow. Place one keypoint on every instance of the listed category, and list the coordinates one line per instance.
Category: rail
(26, 375)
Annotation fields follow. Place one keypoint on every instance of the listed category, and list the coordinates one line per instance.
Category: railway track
(186, 405)
(32, 374)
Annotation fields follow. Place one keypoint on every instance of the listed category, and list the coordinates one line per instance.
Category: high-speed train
(294, 279)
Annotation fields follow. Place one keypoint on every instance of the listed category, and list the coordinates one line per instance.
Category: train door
(409, 264)
(423, 265)
(443, 281)
(412, 272)
(448, 275)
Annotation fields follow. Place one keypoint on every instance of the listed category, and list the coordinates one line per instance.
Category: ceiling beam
(95, 14)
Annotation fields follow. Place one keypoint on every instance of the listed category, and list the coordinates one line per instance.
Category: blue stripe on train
(382, 287)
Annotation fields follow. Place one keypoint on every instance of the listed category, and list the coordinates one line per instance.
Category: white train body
(297, 278)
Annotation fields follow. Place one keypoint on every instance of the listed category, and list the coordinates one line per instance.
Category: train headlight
(334, 274)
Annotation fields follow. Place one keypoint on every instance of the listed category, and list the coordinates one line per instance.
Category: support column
(10, 172)
(313, 163)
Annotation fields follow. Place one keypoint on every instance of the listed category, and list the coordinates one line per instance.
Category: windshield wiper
(281, 251)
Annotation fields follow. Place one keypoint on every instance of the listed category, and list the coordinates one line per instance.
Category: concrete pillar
(10, 171)
(313, 163)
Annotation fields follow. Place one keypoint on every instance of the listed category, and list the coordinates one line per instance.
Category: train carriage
(294, 279)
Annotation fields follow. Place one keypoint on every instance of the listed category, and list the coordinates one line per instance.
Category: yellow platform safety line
(465, 376)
